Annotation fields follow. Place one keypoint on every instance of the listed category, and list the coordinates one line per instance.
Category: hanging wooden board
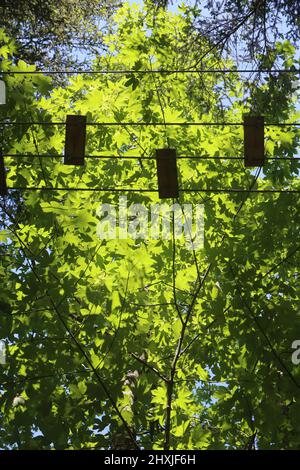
(2, 92)
(3, 186)
(75, 140)
(167, 173)
(254, 151)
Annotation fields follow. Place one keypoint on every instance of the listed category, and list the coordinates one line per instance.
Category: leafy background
(143, 343)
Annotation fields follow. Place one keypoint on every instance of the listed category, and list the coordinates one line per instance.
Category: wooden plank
(167, 173)
(254, 152)
(2, 92)
(75, 140)
(3, 186)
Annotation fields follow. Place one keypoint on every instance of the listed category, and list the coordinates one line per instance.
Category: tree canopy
(57, 34)
(247, 29)
(134, 343)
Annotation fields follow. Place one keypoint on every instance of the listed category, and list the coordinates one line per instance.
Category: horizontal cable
(136, 157)
(143, 72)
(142, 190)
(120, 124)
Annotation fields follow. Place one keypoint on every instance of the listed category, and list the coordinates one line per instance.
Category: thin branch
(145, 363)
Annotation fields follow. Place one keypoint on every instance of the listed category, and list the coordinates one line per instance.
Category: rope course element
(140, 123)
(137, 157)
(153, 190)
(143, 72)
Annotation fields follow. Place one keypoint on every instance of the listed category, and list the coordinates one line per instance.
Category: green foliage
(251, 28)
(57, 34)
(102, 335)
